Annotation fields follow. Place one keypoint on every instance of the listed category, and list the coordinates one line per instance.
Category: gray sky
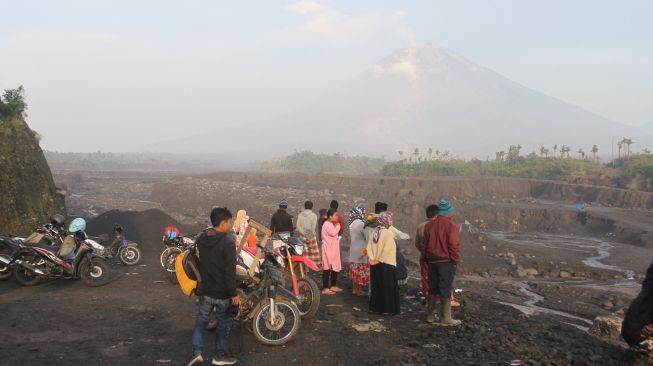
(131, 73)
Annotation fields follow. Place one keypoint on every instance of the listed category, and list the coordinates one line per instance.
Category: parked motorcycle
(305, 288)
(125, 250)
(274, 317)
(11, 249)
(41, 261)
(51, 233)
(174, 242)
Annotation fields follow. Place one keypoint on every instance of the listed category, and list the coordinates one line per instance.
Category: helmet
(171, 232)
(78, 224)
(58, 220)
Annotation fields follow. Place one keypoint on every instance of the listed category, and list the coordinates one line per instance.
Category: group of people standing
(375, 261)
(376, 264)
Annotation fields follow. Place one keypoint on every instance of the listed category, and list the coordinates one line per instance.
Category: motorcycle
(40, 261)
(125, 250)
(175, 244)
(11, 249)
(304, 288)
(271, 309)
(46, 234)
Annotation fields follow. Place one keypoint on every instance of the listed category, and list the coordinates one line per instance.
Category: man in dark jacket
(637, 326)
(281, 221)
(441, 248)
(217, 255)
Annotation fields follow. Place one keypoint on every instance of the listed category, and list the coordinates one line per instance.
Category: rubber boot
(431, 310)
(447, 320)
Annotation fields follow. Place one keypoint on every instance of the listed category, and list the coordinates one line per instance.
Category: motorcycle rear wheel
(5, 271)
(94, 272)
(24, 276)
(130, 255)
(284, 328)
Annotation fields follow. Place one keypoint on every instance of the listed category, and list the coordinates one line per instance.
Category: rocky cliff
(28, 193)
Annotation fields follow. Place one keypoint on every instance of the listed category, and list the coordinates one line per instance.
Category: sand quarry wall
(493, 201)
(429, 189)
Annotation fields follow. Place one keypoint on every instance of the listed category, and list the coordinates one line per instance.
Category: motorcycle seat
(52, 248)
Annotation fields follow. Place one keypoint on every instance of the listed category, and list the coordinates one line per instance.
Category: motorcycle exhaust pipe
(9, 261)
(29, 267)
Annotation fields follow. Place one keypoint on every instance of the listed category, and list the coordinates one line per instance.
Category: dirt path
(141, 320)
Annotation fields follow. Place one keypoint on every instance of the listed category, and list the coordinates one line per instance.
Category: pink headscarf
(384, 221)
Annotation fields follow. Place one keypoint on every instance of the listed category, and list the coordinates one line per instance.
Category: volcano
(427, 96)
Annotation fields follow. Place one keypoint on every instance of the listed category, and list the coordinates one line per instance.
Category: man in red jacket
(441, 249)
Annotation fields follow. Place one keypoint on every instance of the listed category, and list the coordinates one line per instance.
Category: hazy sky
(125, 74)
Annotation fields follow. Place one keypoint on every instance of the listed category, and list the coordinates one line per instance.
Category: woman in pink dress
(331, 264)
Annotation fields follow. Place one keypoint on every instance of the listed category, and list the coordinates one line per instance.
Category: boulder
(607, 327)
(564, 274)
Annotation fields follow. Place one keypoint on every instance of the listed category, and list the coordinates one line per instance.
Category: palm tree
(437, 154)
(619, 144)
(581, 153)
(595, 149)
(416, 153)
(555, 149)
(628, 141)
(430, 153)
(562, 151)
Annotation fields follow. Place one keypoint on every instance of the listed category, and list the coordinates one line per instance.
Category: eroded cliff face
(28, 194)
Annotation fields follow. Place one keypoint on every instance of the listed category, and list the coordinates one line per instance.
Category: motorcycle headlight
(299, 249)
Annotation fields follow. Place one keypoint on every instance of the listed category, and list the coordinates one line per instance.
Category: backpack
(187, 270)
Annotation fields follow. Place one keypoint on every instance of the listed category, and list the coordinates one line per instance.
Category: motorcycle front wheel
(164, 255)
(171, 274)
(281, 329)
(94, 272)
(130, 255)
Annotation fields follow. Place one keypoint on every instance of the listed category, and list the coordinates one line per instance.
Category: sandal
(335, 289)
(327, 292)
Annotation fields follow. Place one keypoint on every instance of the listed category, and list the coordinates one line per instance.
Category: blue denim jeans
(221, 309)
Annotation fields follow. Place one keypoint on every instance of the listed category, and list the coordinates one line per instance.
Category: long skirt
(313, 251)
(359, 273)
(384, 291)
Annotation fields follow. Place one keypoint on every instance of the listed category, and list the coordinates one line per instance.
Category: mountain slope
(428, 96)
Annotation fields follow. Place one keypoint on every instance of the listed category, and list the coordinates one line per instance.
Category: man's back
(217, 264)
(441, 240)
(281, 222)
(307, 223)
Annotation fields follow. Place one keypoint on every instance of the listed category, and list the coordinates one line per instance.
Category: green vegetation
(634, 172)
(106, 161)
(12, 104)
(630, 170)
(309, 162)
(531, 166)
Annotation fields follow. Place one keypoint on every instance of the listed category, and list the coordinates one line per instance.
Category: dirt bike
(40, 261)
(177, 244)
(169, 263)
(271, 309)
(304, 288)
(125, 250)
